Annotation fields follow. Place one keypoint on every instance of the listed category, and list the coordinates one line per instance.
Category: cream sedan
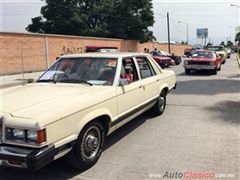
(70, 111)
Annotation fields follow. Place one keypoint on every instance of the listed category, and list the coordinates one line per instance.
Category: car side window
(145, 67)
(129, 70)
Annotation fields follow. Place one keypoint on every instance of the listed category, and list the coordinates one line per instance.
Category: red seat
(128, 76)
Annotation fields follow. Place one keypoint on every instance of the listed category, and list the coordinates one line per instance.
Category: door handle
(158, 80)
(140, 86)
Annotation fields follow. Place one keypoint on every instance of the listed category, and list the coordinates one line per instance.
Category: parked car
(203, 60)
(220, 50)
(70, 114)
(163, 61)
(177, 59)
(229, 52)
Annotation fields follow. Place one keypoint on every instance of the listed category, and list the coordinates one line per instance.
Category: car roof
(104, 54)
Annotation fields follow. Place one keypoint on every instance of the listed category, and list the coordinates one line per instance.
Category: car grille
(199, 62)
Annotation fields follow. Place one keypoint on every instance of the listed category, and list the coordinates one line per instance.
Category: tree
(222, 43)
(237, 38)
(103, 18)
(208, 44)
(229, 44)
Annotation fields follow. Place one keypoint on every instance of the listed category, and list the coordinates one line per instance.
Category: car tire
(187, 71)
(214, 72)
(160, 105)
(88, 147)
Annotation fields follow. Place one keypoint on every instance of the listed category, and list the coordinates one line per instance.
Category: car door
(129, 96)
(149, 78)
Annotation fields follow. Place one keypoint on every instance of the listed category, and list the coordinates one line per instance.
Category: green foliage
(237, 38)
(127, 19)
(209, 44)
(222, 43)
(229, 44)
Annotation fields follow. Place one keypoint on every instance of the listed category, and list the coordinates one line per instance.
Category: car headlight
(25, 136)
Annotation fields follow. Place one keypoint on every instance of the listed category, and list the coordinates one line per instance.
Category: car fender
(90, 116)
(163, 86)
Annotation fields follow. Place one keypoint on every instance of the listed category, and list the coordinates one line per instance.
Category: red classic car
(203, 60)
(163, 61)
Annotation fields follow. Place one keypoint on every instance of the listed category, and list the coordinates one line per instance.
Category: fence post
(22, 64)
(46, 52)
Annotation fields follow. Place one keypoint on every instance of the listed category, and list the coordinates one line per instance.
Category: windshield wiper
(77, 81)
(47, 80)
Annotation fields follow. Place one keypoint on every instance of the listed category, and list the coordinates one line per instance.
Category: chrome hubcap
(161, 102)
(91, 142)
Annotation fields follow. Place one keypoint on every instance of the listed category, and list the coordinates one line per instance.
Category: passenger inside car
(128, 74)
(129, 70)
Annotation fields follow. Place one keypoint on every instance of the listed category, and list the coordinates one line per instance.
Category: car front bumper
(27, 158)
(199, 67)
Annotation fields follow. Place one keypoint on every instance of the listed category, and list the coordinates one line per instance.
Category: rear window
(146, 69)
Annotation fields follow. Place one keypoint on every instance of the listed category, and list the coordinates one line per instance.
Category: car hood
(36, 101)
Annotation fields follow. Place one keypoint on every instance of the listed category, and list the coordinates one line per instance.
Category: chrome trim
(6, 163)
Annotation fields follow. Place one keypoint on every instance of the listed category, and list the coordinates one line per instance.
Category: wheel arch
(101, 115)
(164, 88)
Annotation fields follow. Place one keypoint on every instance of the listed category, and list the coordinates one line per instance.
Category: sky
(217, 15)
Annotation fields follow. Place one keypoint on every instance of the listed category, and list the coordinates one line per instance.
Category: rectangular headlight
(25, 136)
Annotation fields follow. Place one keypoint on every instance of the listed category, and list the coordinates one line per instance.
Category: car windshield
(88, 70)
(216, 48)
(203, 54)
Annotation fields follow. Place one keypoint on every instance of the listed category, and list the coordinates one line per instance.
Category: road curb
(238, 60)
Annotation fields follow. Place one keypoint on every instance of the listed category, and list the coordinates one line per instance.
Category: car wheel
(88, 147)
(187, 71)
(160, 105)
(214, 72)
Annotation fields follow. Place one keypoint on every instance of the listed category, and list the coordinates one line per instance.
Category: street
(198, 132)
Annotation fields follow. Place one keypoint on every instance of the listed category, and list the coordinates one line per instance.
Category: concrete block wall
(177, 49)
(35, 52)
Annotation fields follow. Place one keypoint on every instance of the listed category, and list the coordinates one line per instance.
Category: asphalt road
(199, 132)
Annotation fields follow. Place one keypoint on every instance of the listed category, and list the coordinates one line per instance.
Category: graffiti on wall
(71, 50)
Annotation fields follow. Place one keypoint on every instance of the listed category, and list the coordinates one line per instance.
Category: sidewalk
(17, 79)
(238, 59)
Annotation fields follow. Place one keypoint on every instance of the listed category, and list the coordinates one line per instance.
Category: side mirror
(123, 81)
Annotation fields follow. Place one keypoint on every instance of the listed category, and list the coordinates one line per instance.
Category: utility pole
(168, 29)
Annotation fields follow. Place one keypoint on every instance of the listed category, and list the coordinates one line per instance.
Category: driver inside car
(82, 71)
